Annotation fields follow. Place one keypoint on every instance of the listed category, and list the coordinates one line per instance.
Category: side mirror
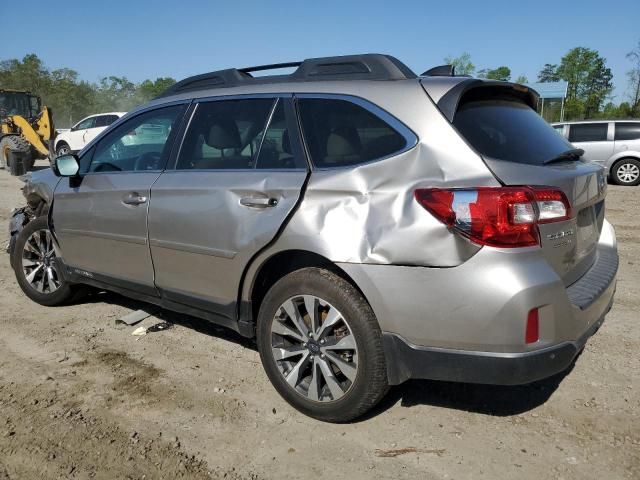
(66, 166)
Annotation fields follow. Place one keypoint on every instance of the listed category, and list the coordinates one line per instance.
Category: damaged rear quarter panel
(367, 214)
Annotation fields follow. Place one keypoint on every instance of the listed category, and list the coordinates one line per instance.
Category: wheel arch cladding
(281, 264)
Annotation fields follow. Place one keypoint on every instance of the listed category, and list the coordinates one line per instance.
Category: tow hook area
(19, 218)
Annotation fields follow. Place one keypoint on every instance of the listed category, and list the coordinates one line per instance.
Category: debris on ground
(132, 318)
(396, 452)
(156, 327)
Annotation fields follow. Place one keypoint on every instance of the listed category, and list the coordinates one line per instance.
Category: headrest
(224, 133)
(343, 141)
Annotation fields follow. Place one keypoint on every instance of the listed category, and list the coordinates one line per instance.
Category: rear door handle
(134, 198)
(258, 202)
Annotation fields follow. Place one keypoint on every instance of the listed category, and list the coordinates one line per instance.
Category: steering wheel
(148, 161)
(117, 150)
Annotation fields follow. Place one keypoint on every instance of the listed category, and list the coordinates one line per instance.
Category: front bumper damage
(19, 218)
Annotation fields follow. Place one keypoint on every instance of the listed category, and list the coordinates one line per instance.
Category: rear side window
(507, 129)
(340, 133)
(225, 135)
(588, 132)
(105, 120)
(627, 131)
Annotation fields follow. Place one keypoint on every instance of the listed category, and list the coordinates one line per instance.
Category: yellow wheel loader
(26, 128)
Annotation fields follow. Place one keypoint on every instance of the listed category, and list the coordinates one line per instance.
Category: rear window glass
(508, 130)
(588, 132)
(627, 131)
(339, 133)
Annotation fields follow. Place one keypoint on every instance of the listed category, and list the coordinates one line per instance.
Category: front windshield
(15, 104)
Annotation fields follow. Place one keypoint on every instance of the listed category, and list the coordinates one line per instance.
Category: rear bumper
(407, 361)
(467, 323)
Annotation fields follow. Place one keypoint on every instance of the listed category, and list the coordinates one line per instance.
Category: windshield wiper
(573, 154)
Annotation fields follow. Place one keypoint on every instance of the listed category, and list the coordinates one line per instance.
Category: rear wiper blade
(573, 154)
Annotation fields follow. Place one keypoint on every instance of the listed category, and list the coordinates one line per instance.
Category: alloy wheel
(628, 172)
(38, 262)
(63, 150)
(314, 348)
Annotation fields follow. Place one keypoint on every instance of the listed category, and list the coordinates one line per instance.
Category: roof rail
(370, 66)
(273, 66)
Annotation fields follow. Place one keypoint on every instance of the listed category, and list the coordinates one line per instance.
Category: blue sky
(148, 39)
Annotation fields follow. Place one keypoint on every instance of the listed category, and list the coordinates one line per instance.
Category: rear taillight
(500, 216)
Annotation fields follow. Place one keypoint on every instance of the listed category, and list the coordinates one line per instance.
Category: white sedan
(83, 132)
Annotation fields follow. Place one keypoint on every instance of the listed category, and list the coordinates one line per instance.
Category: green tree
(549, 73)
(634, 78)
(115, 93)
(500, 73)
(70, 98)
(588, 77)
(522, 79)
(462, 64)
(150, 89)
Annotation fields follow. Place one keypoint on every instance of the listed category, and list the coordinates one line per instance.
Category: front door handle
(134, 198)
(258, 202)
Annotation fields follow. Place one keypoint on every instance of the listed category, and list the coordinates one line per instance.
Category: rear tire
(334, 371)
(35, 265)
(13, 143)
(626, 172)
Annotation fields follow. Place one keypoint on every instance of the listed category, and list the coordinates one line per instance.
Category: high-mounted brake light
(500, 216)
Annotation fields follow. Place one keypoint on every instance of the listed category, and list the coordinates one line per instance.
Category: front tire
(626, 172)
(62, 149)
(321, 346)
(37, 268)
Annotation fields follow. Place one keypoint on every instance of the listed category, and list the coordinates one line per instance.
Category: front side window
(627, 131)
(588, 132)
(85, 124)
(340, 133)
(140, 143)
(225, 135)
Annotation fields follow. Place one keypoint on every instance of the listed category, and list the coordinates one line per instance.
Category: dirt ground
(80, 397)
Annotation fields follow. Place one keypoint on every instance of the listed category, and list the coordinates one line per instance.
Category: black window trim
(172, 139)
(285, 98)
(409, 135)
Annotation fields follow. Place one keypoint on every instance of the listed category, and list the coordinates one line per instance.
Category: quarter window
(339, 133)
(225, 135)
(139, 144)
(627, 131)
(588, 132)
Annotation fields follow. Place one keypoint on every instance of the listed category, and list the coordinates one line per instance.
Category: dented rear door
(231, 191)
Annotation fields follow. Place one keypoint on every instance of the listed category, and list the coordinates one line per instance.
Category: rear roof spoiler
(448, 103)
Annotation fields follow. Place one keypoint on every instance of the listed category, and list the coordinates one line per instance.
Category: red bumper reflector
(532, 333)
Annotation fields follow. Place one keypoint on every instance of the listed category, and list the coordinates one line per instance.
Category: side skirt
(204, 310)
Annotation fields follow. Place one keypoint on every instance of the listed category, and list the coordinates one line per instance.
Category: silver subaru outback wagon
(366, 225)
